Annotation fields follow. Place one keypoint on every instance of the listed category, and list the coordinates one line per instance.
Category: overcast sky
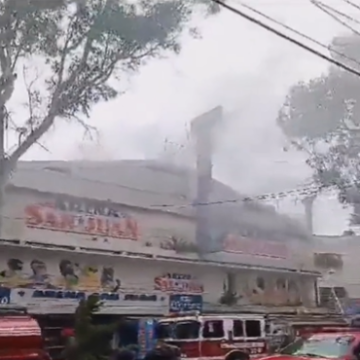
(235, 64)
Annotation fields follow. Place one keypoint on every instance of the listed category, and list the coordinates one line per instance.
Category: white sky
(235, 64)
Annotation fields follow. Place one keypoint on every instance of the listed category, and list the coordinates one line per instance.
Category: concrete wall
(347, 276)
(154, 228)
(49, 249)
(154, 231)
(42, 269)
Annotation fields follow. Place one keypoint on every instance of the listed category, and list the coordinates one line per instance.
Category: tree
(82, 47)
(322, 118)
(90, 342)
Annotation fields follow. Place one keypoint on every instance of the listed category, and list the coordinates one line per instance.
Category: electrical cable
(352, 4)
(327, 10)
(258, 12)
(286, 37)
(301, 191)
(346, 16)
(308, 190)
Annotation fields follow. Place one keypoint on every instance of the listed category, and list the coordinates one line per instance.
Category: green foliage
(322, 118)
(86, 46)
(91, 342)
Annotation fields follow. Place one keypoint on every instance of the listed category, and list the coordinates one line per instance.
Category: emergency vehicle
(215, 337)
(340, 343)
(238, 336)
(20, 336)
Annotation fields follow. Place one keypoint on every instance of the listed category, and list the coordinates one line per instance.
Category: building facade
(130, 237)
(336, 258)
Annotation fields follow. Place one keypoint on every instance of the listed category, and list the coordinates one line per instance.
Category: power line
(327, 9)
(286, 37)
(346, 16)
(352, 4)
(248, 7)
(301, 191)
(306, 190)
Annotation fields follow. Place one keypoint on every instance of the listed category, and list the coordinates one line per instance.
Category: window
(260, 283)
(186, 330)
(323, 347)
(213, 329)
(253, 328)
(292, 286)
(281, 284)
(238, 328)
(163, 330)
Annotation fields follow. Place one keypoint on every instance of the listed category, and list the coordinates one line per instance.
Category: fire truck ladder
(329, 298)
(338, 303)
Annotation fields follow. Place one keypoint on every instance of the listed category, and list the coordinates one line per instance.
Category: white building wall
(51, 246)
(136, 276)
(43, 269)
(154, 230)
(347, 276)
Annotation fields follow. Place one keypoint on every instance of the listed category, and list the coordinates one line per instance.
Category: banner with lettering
(185, 303)
(66, 301)
(178, 283)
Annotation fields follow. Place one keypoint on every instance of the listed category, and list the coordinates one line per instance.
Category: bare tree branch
(83, 46)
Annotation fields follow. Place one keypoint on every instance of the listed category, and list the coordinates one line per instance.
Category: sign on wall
(185, 303)
(178, 283)
(57, 284)
(81, 217)
(56, 300)
(66, 274)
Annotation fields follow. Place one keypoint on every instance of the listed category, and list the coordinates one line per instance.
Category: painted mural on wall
(55, 285)
(70, 276)
(81, 217)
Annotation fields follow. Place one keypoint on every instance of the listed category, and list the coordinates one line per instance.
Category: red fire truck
(239, 336)
(215, 337)
(20, 336)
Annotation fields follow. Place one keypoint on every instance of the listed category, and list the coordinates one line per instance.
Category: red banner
(178, 283)
(47, 218)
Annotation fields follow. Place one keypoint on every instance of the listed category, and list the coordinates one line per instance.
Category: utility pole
(202, 131)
